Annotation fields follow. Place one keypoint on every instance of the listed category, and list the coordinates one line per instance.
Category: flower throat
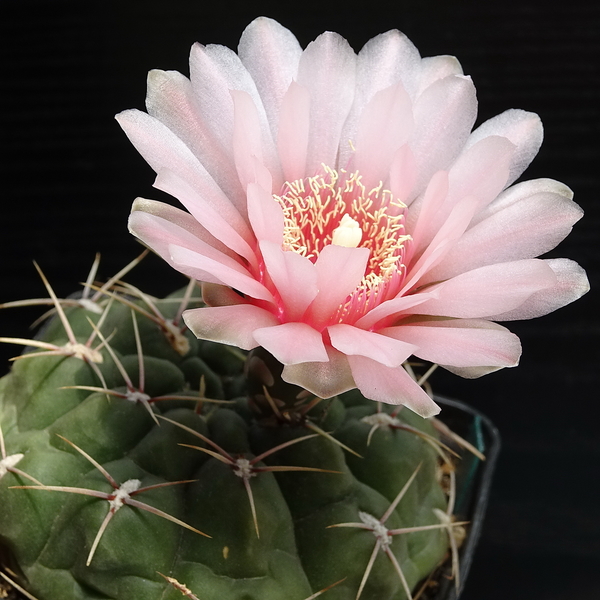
(336, 208)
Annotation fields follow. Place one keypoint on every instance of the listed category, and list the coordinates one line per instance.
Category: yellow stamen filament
(336, 208)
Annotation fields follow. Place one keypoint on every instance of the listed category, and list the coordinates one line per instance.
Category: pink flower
(346, 201)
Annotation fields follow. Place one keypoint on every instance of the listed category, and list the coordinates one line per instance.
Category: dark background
(68, 176)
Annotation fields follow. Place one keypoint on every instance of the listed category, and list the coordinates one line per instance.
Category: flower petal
(433, 68)
(403, 174)
(214, 294)
(385, 60)
(170, 99)
(162, 149)
(444, 240)
(526, 221)
(444, 115)
(572, 283)
(393, 307)
(459, 342)
(159, 225)
(293, 131)
(480, 171)
(323, 379)
(294, 277)
(205, 214)
(385, 125)
(233, 325)
(490, 290)
(339, 271)
(292, 343)
(221, 270)
(524, 129)
(354, 341)
(327, 71)
(390, 385)
(252, 144)
(271, 54)
(265, 214)
(214, 71)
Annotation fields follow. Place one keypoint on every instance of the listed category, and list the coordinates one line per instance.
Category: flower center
(336, 208)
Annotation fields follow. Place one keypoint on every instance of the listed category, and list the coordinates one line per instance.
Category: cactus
(139, 463)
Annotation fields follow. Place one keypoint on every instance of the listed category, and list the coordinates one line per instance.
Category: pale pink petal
(390, 385)
(459, 342)
(271, 54)
(402, 175)
(171, 100)
(323, 379)
(339, 271)
(159, 225)
(205, 214)
(424, 210)
(294, 276)
(292, 133)
(480, 171)
(444, 115)
(393, 307)
(265, 215)
(524, 129)
(433, 68)
(183, 223)
(519, 191)
(227, 272)
(214, 294)
(292, 343)
(162, 149)
(572, 283)
(385, 125)
(251, 143)
(233, 325)
(385, 60)
(327, 71)
(537, 218)
(490, 290)
(354, 341)
(444, 240)
(246, 136)
(215, 71)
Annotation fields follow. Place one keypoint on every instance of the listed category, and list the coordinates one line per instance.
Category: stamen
(335, 208)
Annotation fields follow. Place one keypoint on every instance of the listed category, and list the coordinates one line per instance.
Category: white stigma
(348, 233)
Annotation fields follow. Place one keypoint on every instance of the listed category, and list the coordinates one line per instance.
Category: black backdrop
(69, 175)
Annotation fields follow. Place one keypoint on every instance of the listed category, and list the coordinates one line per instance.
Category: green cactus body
(269, 521)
